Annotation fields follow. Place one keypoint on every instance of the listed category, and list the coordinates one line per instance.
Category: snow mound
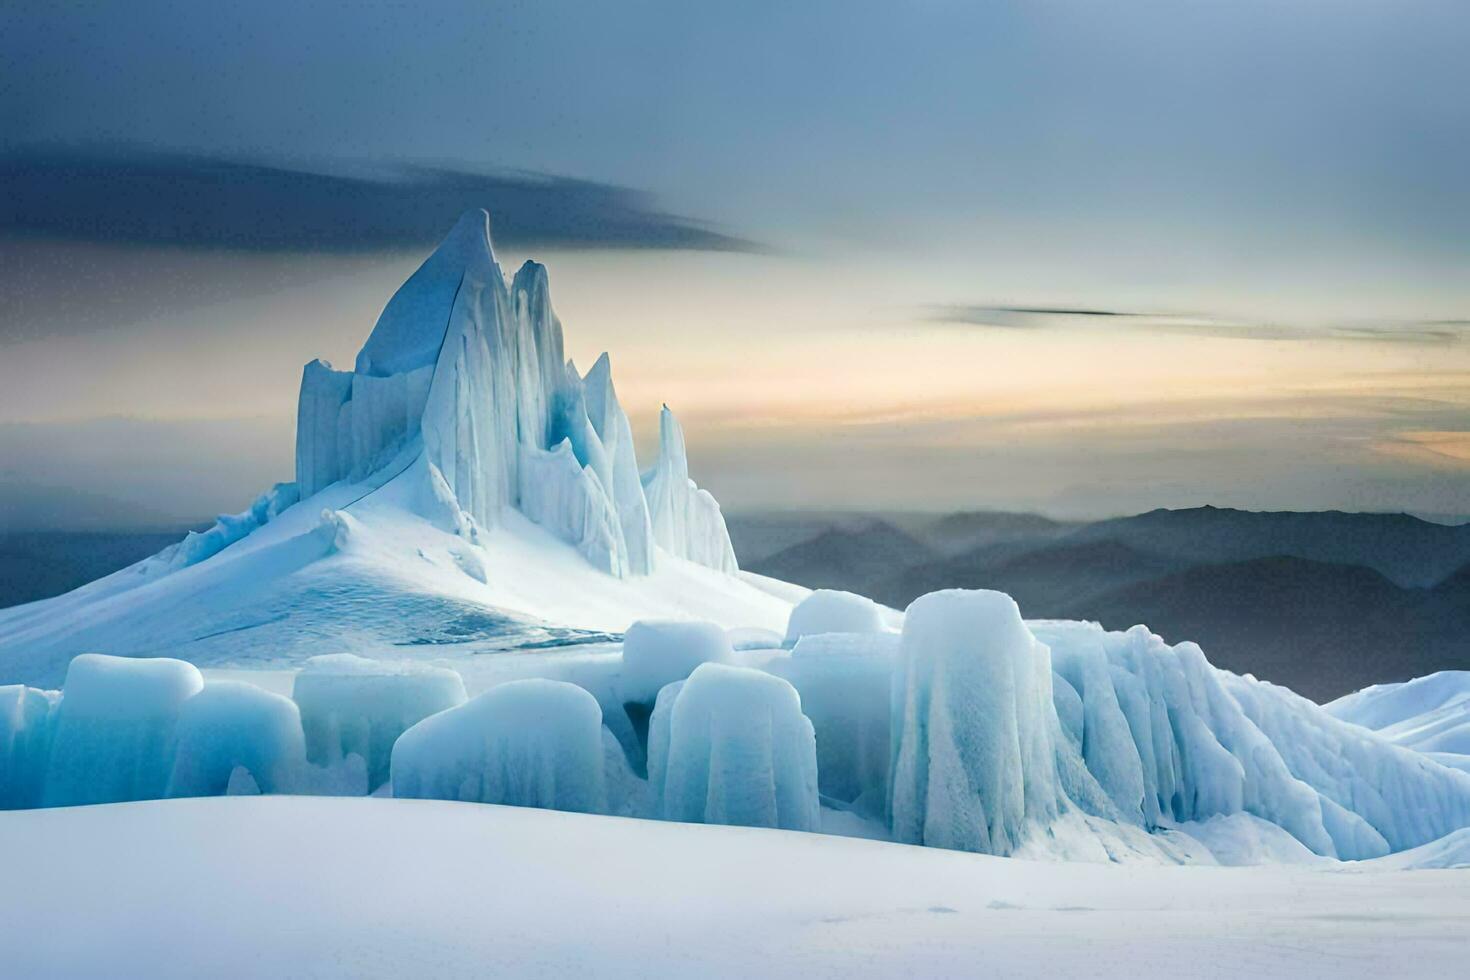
(974, 750)
(833, 611)
(354, 706)
(739, 752)
(657, 653)
(233, 725)
(532, 742)
(115, 729)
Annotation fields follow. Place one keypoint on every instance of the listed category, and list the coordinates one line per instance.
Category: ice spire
(470, 370)
(686, 520)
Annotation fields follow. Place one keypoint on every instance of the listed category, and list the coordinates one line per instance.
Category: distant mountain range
(1324, 602)
(38, 564)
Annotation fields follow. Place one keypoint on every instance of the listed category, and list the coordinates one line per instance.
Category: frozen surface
(353, 706)
(497, 891)
(974, 726)
(115, 729)
(656, 653)
(231, 725)
(833, 611)
(739, 752)
(534, 743)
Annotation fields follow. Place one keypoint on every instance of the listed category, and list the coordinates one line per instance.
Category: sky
(1077, 258)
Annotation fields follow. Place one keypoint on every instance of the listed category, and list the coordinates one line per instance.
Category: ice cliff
(472, 369)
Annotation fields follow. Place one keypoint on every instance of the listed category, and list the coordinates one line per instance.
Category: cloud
(141, 197)
(1443, 331)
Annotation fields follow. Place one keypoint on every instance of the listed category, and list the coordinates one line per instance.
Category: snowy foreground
(396, 888)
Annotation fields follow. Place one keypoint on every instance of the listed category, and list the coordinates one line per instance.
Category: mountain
(851, 559)
(462, 489)
(1321, 629)
(1405, 549)
(968, 530)
(39, 564)
(1048, 581)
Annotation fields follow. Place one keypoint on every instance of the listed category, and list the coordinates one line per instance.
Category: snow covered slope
(462, 484)
(1429, 714)
(303, 887)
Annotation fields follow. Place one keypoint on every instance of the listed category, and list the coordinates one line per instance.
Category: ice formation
(969, 730)
(739, 751)
(1208, 743)
(686, 520)
(353, 706)
(973, 746)
(532, 742)
(26, 722)
(473, 370)
(229, 726)
(1428, 714)
(656, 653)
(658, 745)
(833, 611)
(844, 681)
(115, 729)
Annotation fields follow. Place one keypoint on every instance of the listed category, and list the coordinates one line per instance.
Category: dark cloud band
(198, 202)
(1045, 317)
